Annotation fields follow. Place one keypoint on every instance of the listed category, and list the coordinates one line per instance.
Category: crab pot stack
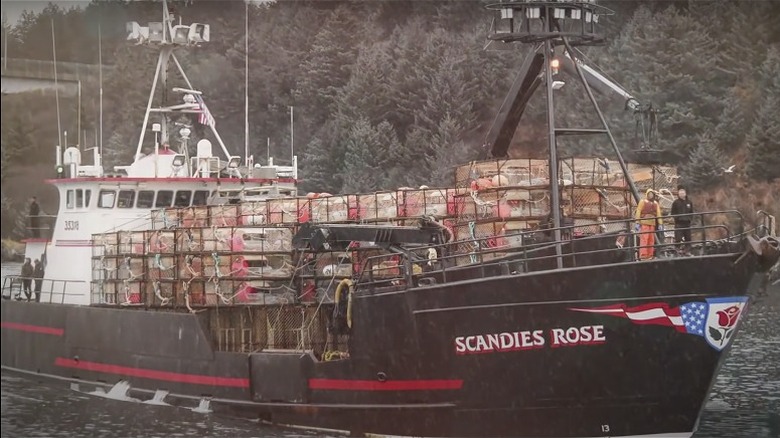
(326, 208)
(119, 266)
(194, 266)
(242, 253)
(234, 265)
(505, 198)
(511, 172)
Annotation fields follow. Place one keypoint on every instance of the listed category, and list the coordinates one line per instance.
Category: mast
(555, 190)
(546, 25)
(168, 35)
(56, 85)
(100, 80)
(246, 83)
(292, 135)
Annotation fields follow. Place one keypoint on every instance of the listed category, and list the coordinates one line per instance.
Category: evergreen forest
(396, 93)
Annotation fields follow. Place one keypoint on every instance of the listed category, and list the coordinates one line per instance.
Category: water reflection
(41, 409)
(745, 401)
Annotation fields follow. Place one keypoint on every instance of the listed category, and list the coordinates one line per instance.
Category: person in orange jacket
(648, 216)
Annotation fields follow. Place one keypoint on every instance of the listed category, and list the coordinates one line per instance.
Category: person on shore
(38, 276)
(648, 216)
(27, 275)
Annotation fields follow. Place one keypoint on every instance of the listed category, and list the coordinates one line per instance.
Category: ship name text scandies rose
(530, 340)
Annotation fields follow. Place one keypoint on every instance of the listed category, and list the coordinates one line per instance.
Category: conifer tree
(705, 165)
(328, 65)
(763, 140)
(449, 151)
(19, 146)
(731, 128)
(370, 150)
(317, 170)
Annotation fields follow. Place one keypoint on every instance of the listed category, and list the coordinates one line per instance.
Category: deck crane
(646, 133)
(531, 76)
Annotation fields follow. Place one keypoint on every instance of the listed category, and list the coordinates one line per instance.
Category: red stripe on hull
(33, 328)
(389, 385)
(197, 379)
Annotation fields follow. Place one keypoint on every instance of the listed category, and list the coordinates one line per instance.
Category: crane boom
(644, 115)
(528, 79)
(599, 82)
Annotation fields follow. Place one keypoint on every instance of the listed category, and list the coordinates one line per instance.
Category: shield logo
(723, 319)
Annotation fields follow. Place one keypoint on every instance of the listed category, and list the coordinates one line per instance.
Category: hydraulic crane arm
(644, 115)
(527, 81)
(329, 237)
(599, 82)
(529, 78)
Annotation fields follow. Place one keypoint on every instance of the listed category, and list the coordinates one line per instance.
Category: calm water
(745, 401)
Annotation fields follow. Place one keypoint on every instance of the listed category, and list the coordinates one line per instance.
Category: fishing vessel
(511, 304)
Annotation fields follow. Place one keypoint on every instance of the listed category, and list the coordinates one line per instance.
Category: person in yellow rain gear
(648, 216)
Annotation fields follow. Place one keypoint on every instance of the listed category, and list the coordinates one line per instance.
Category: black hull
(417, 367)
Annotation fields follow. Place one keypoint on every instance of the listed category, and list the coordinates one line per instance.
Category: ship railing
(40, 226)
(52, 291)
(525, 251)
(767, 225)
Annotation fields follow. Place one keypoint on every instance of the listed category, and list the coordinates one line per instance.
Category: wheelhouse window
(79, 198)
(106, 199)
(200, 197)
(70, 199)
(145, 199)
(126, 199)
(182, 198)
(87, 198)
(164, 199)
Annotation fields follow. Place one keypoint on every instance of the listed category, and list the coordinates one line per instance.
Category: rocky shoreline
(12, 251)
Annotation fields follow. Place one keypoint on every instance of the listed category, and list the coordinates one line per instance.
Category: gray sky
(12, 9)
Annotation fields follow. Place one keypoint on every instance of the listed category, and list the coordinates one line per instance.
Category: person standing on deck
(648, 215)
(27, 274)
(38, 276)
(35, 221)
(682, 207)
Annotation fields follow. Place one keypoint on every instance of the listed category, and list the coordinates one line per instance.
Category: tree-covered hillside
(396, 93)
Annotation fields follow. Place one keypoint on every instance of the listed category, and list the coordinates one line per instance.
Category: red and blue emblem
(714, 319)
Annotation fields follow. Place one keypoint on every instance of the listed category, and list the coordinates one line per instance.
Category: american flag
(205, 117)
(687, 318)
(694, 316)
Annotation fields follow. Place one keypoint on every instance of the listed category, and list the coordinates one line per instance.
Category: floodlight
(156, 32)
(180, 34)
(178, 160)
(199, 33)
(137, 33)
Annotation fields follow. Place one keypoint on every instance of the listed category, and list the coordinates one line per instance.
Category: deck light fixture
(198, 33)
(555, 65)
(181, 34)
(178, 161)
(137, 33)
